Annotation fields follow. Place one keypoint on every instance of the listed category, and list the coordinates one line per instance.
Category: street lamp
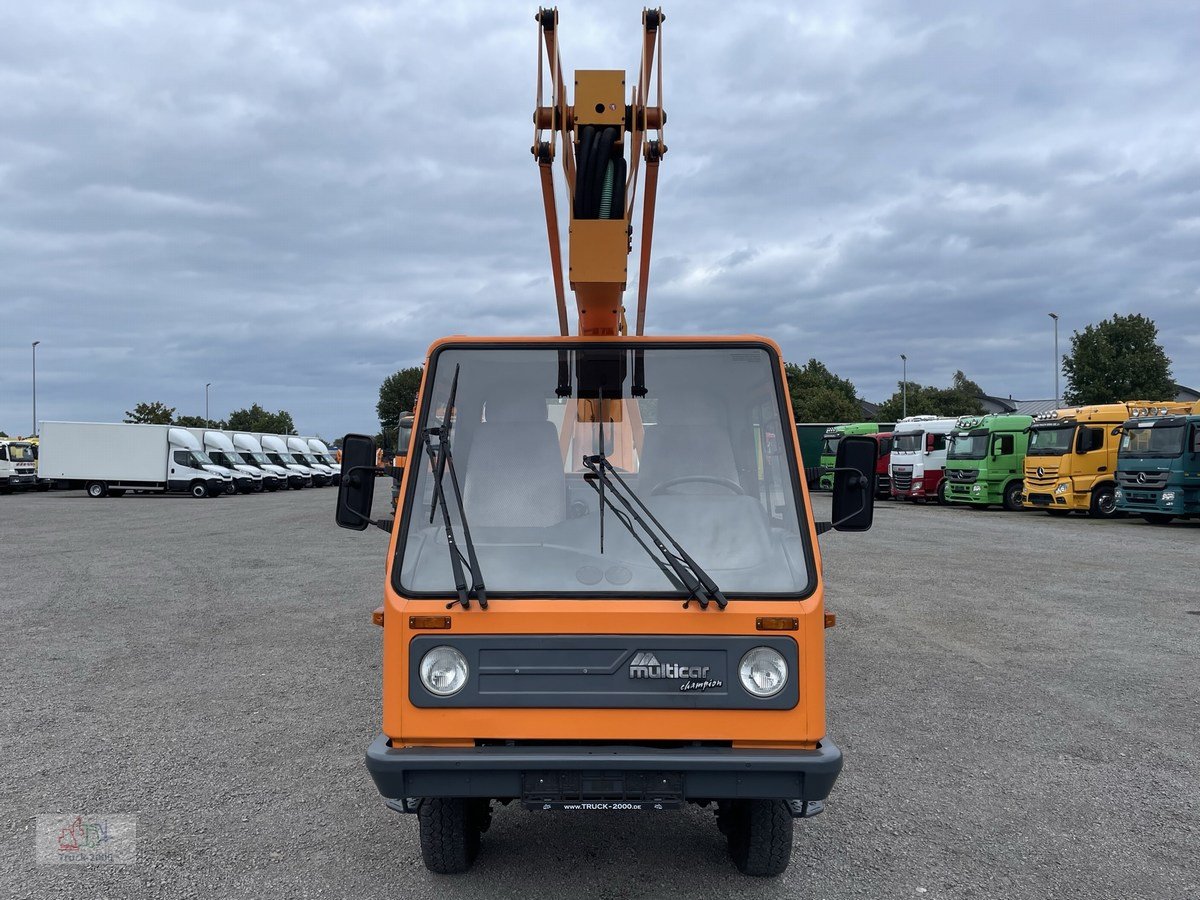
(1054, 316)
(904, 387)
(34, 349)
(206, 387)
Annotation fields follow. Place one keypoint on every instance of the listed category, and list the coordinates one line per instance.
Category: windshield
(965, 445)
(203, 458)
(283, 459)
(1162, 440)
(259, 458)
(1051, 440)
(830, 445)
(307, 459)
(910, 442)
(703, 448)
(20, 453)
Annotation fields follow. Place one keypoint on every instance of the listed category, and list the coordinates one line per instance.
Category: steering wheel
(663, 486)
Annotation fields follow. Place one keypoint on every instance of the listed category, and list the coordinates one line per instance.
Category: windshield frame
(405, 512)
(973, 435)
(1071, 426)
(1129, 430)
(898, 436)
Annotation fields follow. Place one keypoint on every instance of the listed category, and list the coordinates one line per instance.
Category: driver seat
(690, 438)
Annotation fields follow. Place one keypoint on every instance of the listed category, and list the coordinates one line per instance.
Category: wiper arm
(441, 460)
(700, 585)
(670, 567)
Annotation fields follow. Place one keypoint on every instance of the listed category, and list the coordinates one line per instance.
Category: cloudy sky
(292, 199)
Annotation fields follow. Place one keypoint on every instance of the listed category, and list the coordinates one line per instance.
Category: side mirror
(928, 443)
(854, 485)
(357, 488)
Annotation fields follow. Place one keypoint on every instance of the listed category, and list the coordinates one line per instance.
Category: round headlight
(443, 671)
(763, 672)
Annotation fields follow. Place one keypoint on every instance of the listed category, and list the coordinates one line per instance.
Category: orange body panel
(801, 726)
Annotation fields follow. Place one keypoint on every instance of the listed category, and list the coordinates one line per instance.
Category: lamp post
(904, 386)
(34, 349)
(206, 387)
(1054, 316)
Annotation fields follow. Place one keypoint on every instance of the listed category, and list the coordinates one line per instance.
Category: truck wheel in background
(450, 832)
(1158, 518)
(259, 487)
(1012, 495)
(97, 489)
(759, 833)
(116, 492)
(1104, 502)
(199, 489)
(941, 494)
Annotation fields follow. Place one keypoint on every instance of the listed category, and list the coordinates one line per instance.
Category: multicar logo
(646, 665)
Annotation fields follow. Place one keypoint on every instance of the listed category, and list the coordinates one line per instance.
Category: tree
(1119, 359)
(397, 394)
(818, 395)
(150, 414)
(258, 419)
(961, 398)
(200, 422)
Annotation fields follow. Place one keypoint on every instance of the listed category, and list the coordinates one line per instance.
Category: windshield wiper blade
(441, 460)
(698, 582)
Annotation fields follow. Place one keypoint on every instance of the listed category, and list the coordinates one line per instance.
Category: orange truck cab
(604, 590)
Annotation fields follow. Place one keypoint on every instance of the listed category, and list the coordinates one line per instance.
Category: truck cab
(322, 454)
(247, 476)
(829, 445)
(188, 462)
(1158, 466)
(276, 448)
(1071, 462)
(604, 590)
(250, 449)
(918, 460)
(298, 447)
(985, 460)
(18, 466)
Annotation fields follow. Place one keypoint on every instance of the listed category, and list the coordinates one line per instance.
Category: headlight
(1118, 494)
(443, 671)
(763, 672)
(1062, 488)
(976, 488)
(1168, 496)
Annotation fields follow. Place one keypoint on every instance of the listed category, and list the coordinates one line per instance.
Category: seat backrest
(515, 471)
(688, 439)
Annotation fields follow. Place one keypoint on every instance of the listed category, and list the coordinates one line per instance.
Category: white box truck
(251, 449)
(108, 459)
(323, 455)
(247, 477)
(275, 446)
(303, 454)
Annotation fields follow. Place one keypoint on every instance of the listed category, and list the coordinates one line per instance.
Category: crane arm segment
(597, 133)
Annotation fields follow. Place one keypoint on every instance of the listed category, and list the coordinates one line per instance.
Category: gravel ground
(1017, 698)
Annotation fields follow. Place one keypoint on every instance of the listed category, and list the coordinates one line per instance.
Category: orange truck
(604, 587)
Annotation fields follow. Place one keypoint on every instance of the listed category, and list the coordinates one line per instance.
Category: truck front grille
(1142, 481)
(962, 476)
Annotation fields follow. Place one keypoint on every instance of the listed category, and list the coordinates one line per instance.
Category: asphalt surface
(1017, 698)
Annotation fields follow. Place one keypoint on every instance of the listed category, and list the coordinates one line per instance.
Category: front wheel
(199, 489)
(759, 833)
(451, 830)
(1158, 518)
(941, 493)
(1104, 502)
(1012, 495)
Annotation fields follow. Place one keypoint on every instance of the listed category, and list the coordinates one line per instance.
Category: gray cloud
(291, 200)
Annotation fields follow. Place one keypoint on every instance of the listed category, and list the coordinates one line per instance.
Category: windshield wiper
(441, 460)
(695, 580)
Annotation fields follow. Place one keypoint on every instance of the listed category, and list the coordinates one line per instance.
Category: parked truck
(18, 466)
(833, 436)
(251, 449)
(300, 451)
(918, 461)
(1072, 458)
(250, 477)
(985, 460)
(108, 459)
(322, 454)
(276, 448)
(1158, 466)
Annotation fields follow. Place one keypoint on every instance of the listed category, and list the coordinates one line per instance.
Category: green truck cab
(1158, 467)
(833, 435)
(985, 460)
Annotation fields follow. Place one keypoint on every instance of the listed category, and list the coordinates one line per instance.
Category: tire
(96, 489)
(1104, 503)
(450, 832)
(1158, 518)
(760, 835)
(199, 490)
(259, 487)
(1012, 495)
(116, 492)
(941, 494)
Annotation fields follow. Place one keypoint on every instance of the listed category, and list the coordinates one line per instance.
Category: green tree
(961, 398)
(150, 414)
(258, 419)
(200, 422)
(397, 394)
(1119, 359)
(818, 395)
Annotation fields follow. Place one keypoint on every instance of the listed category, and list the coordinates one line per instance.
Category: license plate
(603, 806)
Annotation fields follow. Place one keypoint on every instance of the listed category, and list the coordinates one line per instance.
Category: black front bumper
(706, 773)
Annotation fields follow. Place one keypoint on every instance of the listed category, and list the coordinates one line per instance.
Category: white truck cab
(18, 466)
(276, 448)
(188, 456)
(303, 454)
(325, 457)
(251, 448)
(918, 464)
(220, 450)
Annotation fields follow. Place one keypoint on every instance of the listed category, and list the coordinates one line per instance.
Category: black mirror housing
(357, 488)
(854, 484)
